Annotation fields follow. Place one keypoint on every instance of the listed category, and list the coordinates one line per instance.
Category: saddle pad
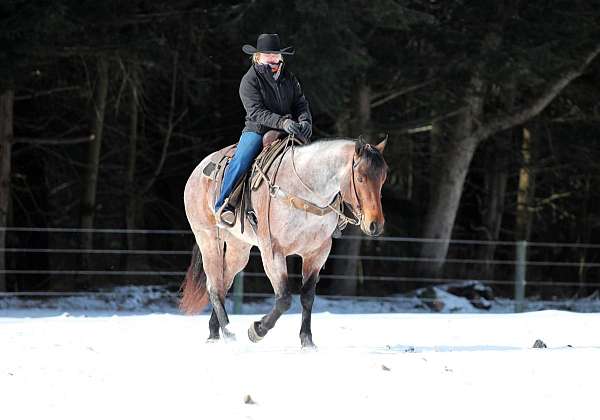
(209, 170)
(213, 169)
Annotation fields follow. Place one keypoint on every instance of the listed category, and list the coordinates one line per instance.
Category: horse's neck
(322, 166)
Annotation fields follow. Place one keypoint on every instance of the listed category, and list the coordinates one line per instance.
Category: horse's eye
(360, 179)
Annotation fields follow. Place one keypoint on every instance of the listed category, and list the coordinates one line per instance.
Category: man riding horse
(297, 206)
(273, 99)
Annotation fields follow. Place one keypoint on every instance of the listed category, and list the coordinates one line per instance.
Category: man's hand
(291, 127)
(305, 130)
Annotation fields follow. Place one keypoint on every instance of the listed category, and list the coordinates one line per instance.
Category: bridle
(355, 209)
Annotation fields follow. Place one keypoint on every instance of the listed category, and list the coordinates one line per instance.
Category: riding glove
(305, 130)
(285, 124)
(290, 127)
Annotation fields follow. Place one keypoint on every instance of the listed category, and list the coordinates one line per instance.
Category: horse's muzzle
(373, 229)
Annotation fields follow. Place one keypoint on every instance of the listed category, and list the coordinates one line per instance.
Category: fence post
(238, 292)
(520, 275)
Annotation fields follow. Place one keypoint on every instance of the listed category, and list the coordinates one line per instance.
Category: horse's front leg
(276, 270)
(307, 297)
(311, 266)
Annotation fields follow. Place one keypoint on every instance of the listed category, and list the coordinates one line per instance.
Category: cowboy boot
(225, 215)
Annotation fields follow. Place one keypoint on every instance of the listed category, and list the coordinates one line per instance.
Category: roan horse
(318, 173)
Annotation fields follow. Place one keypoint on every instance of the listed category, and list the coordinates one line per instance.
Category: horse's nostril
(373, 227)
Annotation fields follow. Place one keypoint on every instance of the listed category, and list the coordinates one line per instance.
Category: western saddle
(275, 144)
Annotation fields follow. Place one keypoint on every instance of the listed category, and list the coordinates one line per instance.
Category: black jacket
(267, 100)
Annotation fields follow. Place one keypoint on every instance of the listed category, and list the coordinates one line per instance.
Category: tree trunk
(525, 192)
(450, 171)
(446, 196)
(134, 204)
(168, 130)
(447, 192)
(584, 236)
(348, 268)
(496, 178)
(132, 197)
(6, 139)
(404, 162)
(90, 178)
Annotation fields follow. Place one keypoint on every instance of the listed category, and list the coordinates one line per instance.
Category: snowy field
(368, 366)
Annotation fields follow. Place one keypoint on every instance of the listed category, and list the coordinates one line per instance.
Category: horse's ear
(359, 146)
(381, 145)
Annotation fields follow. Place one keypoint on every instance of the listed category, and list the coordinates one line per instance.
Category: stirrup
(225, 215)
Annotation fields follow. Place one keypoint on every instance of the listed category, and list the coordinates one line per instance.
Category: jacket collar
(265, 70)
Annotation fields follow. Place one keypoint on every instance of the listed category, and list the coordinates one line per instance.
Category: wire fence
(345, 237)
(427, 280)
(40, 260)
(332, 256)
(253, 295)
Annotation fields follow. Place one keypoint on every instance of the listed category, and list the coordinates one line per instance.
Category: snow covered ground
(160, 299)
(368, 366)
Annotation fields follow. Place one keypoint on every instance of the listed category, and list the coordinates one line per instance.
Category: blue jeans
(248, 148)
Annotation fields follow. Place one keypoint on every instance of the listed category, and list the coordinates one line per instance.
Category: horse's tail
(194, 297)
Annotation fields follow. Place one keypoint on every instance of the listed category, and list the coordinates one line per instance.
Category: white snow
(158, 299)
(368, 366)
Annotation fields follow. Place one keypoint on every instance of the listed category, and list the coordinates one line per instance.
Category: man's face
(266, 58)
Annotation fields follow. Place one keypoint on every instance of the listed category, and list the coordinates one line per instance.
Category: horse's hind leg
(212, 252)
(276, 270)
(236, 255)
(311, 266)
(213, 327)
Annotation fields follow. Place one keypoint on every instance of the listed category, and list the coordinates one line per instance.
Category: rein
(345, 219)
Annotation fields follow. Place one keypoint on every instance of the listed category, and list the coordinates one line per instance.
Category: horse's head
(369, 172)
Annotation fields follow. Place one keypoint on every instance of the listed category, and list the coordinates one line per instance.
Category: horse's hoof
(307, 343)
(212, 340)
(228, 335)
(253, 333)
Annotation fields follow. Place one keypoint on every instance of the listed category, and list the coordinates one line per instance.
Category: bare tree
(444, 202)
(132, 196)
(526, 189)
(349, 268)
(6, 140)
(90, 177)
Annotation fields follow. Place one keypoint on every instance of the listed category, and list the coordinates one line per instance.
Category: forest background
(492, 111)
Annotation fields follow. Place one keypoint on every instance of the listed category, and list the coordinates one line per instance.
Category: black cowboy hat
(268, 43)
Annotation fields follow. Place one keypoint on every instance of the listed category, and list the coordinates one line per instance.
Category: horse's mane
(374, 160)
(328, 140)
(321, 145)
(372, 157)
